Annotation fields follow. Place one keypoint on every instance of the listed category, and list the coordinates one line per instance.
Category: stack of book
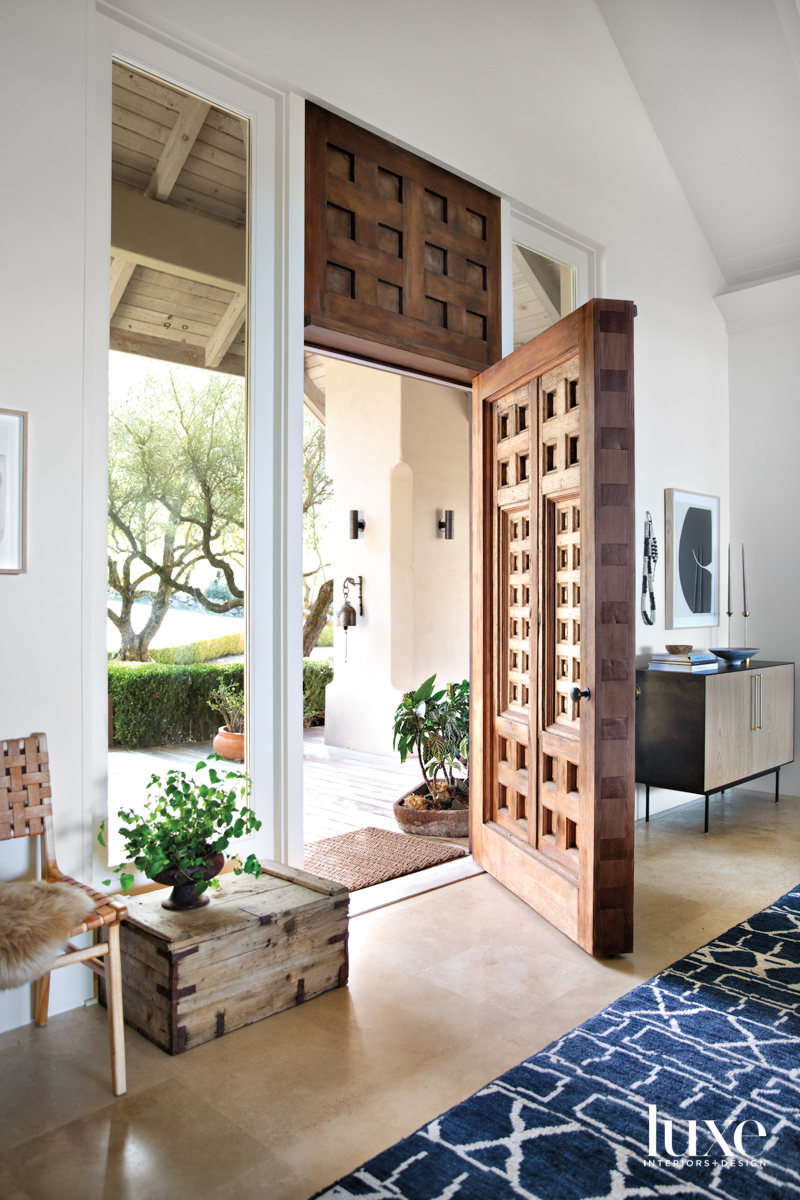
(699, 661)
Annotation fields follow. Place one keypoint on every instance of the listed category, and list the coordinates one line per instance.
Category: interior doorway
(177, 431)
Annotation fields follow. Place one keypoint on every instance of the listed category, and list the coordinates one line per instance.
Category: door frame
(274, 417)
(275, 371)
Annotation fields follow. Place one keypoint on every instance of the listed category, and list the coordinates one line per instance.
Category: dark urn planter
(444, 823)
(183, 896)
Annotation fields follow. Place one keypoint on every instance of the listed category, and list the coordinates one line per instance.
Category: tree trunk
(134, 646)
(317, 617)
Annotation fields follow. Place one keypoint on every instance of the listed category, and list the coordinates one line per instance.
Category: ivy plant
(185, 822)
(436, 724)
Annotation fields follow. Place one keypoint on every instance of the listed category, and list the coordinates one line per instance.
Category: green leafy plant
(158, 705)
(436, 724)
(229, 703)
(185, 823)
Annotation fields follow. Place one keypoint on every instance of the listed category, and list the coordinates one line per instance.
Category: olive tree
(176, 497)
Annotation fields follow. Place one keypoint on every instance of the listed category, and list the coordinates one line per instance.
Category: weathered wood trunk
(261, 945)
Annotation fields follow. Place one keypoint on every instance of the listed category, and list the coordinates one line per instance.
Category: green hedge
(317, 674)
(199, 652)
(157, 704)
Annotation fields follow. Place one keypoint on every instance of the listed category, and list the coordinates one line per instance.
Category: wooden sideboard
(706, 733)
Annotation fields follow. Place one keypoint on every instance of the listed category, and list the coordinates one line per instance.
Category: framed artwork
(692, 559)
(13, 449)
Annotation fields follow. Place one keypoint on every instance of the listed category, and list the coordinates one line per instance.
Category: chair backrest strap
(24, 787)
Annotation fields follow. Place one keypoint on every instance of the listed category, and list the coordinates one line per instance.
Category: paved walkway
(343, 789)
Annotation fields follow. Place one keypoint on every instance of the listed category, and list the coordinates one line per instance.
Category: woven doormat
(367, 856)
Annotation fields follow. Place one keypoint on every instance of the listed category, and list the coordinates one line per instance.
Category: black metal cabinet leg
(706, 828)
(647, 802)
(777, 785)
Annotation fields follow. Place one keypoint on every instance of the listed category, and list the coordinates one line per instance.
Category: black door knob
(576, 695)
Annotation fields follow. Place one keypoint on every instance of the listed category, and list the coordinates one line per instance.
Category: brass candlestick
(729, 609)
(745, 612)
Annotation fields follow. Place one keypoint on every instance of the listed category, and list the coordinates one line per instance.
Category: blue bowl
(735, 655)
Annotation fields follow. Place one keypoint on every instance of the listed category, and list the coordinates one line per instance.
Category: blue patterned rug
(714, 1040)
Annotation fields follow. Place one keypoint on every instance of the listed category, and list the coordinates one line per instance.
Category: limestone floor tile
(65, 1067)
(447, 990)
(165, 1141)
(272, 1179)
(10, 1189)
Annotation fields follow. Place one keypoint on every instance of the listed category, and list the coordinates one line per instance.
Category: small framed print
(692, 559)
(13, 481)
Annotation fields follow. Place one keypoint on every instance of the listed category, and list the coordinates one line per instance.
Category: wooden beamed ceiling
(179, 214)
(179, 231)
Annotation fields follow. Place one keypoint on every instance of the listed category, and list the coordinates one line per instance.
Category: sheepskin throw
(35, 921)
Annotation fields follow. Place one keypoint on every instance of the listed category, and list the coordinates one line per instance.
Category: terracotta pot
(445, 822)
(229, 745)
(183, 895)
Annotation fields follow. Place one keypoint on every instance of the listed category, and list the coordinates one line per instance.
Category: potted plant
(436, 724)
(229, 703)
(181, 837)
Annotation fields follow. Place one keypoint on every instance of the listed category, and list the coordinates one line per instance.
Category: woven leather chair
(26, 811)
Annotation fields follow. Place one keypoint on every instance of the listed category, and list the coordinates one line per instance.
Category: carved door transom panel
(402, 257)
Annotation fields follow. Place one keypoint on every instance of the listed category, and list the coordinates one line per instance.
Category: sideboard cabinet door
(749, 723)
(729, 749)
(773, 716)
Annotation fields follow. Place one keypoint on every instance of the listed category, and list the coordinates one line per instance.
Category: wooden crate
(260, 946)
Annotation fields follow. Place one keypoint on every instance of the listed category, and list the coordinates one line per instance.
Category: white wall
(397, 449)
(764, 330)
(43, 84)
(450, 79)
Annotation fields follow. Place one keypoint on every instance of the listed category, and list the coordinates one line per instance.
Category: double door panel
(553, 616)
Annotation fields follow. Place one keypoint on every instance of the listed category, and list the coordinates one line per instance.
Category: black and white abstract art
(692, 558)
(12, 491)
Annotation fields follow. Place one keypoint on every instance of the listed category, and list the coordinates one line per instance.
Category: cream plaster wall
(435, 432)
(397, 449)
(764, 331)
(362, 448)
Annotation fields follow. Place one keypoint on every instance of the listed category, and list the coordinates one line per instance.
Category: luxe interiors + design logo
(718, 1147)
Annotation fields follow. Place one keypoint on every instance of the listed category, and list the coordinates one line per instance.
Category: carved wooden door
(553, 609)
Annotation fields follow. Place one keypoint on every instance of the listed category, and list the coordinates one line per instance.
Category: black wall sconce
(346, 616)
(357, 524)
(447, 523)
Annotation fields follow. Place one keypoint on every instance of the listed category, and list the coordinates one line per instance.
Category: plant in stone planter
(436, 724)
(187, 825)
(229, 703)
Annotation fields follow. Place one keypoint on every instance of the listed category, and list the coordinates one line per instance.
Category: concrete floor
(448, 989)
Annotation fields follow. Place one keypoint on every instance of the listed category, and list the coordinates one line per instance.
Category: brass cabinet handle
(756, 702)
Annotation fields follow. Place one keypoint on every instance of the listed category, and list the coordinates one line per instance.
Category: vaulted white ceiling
(720, 80)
